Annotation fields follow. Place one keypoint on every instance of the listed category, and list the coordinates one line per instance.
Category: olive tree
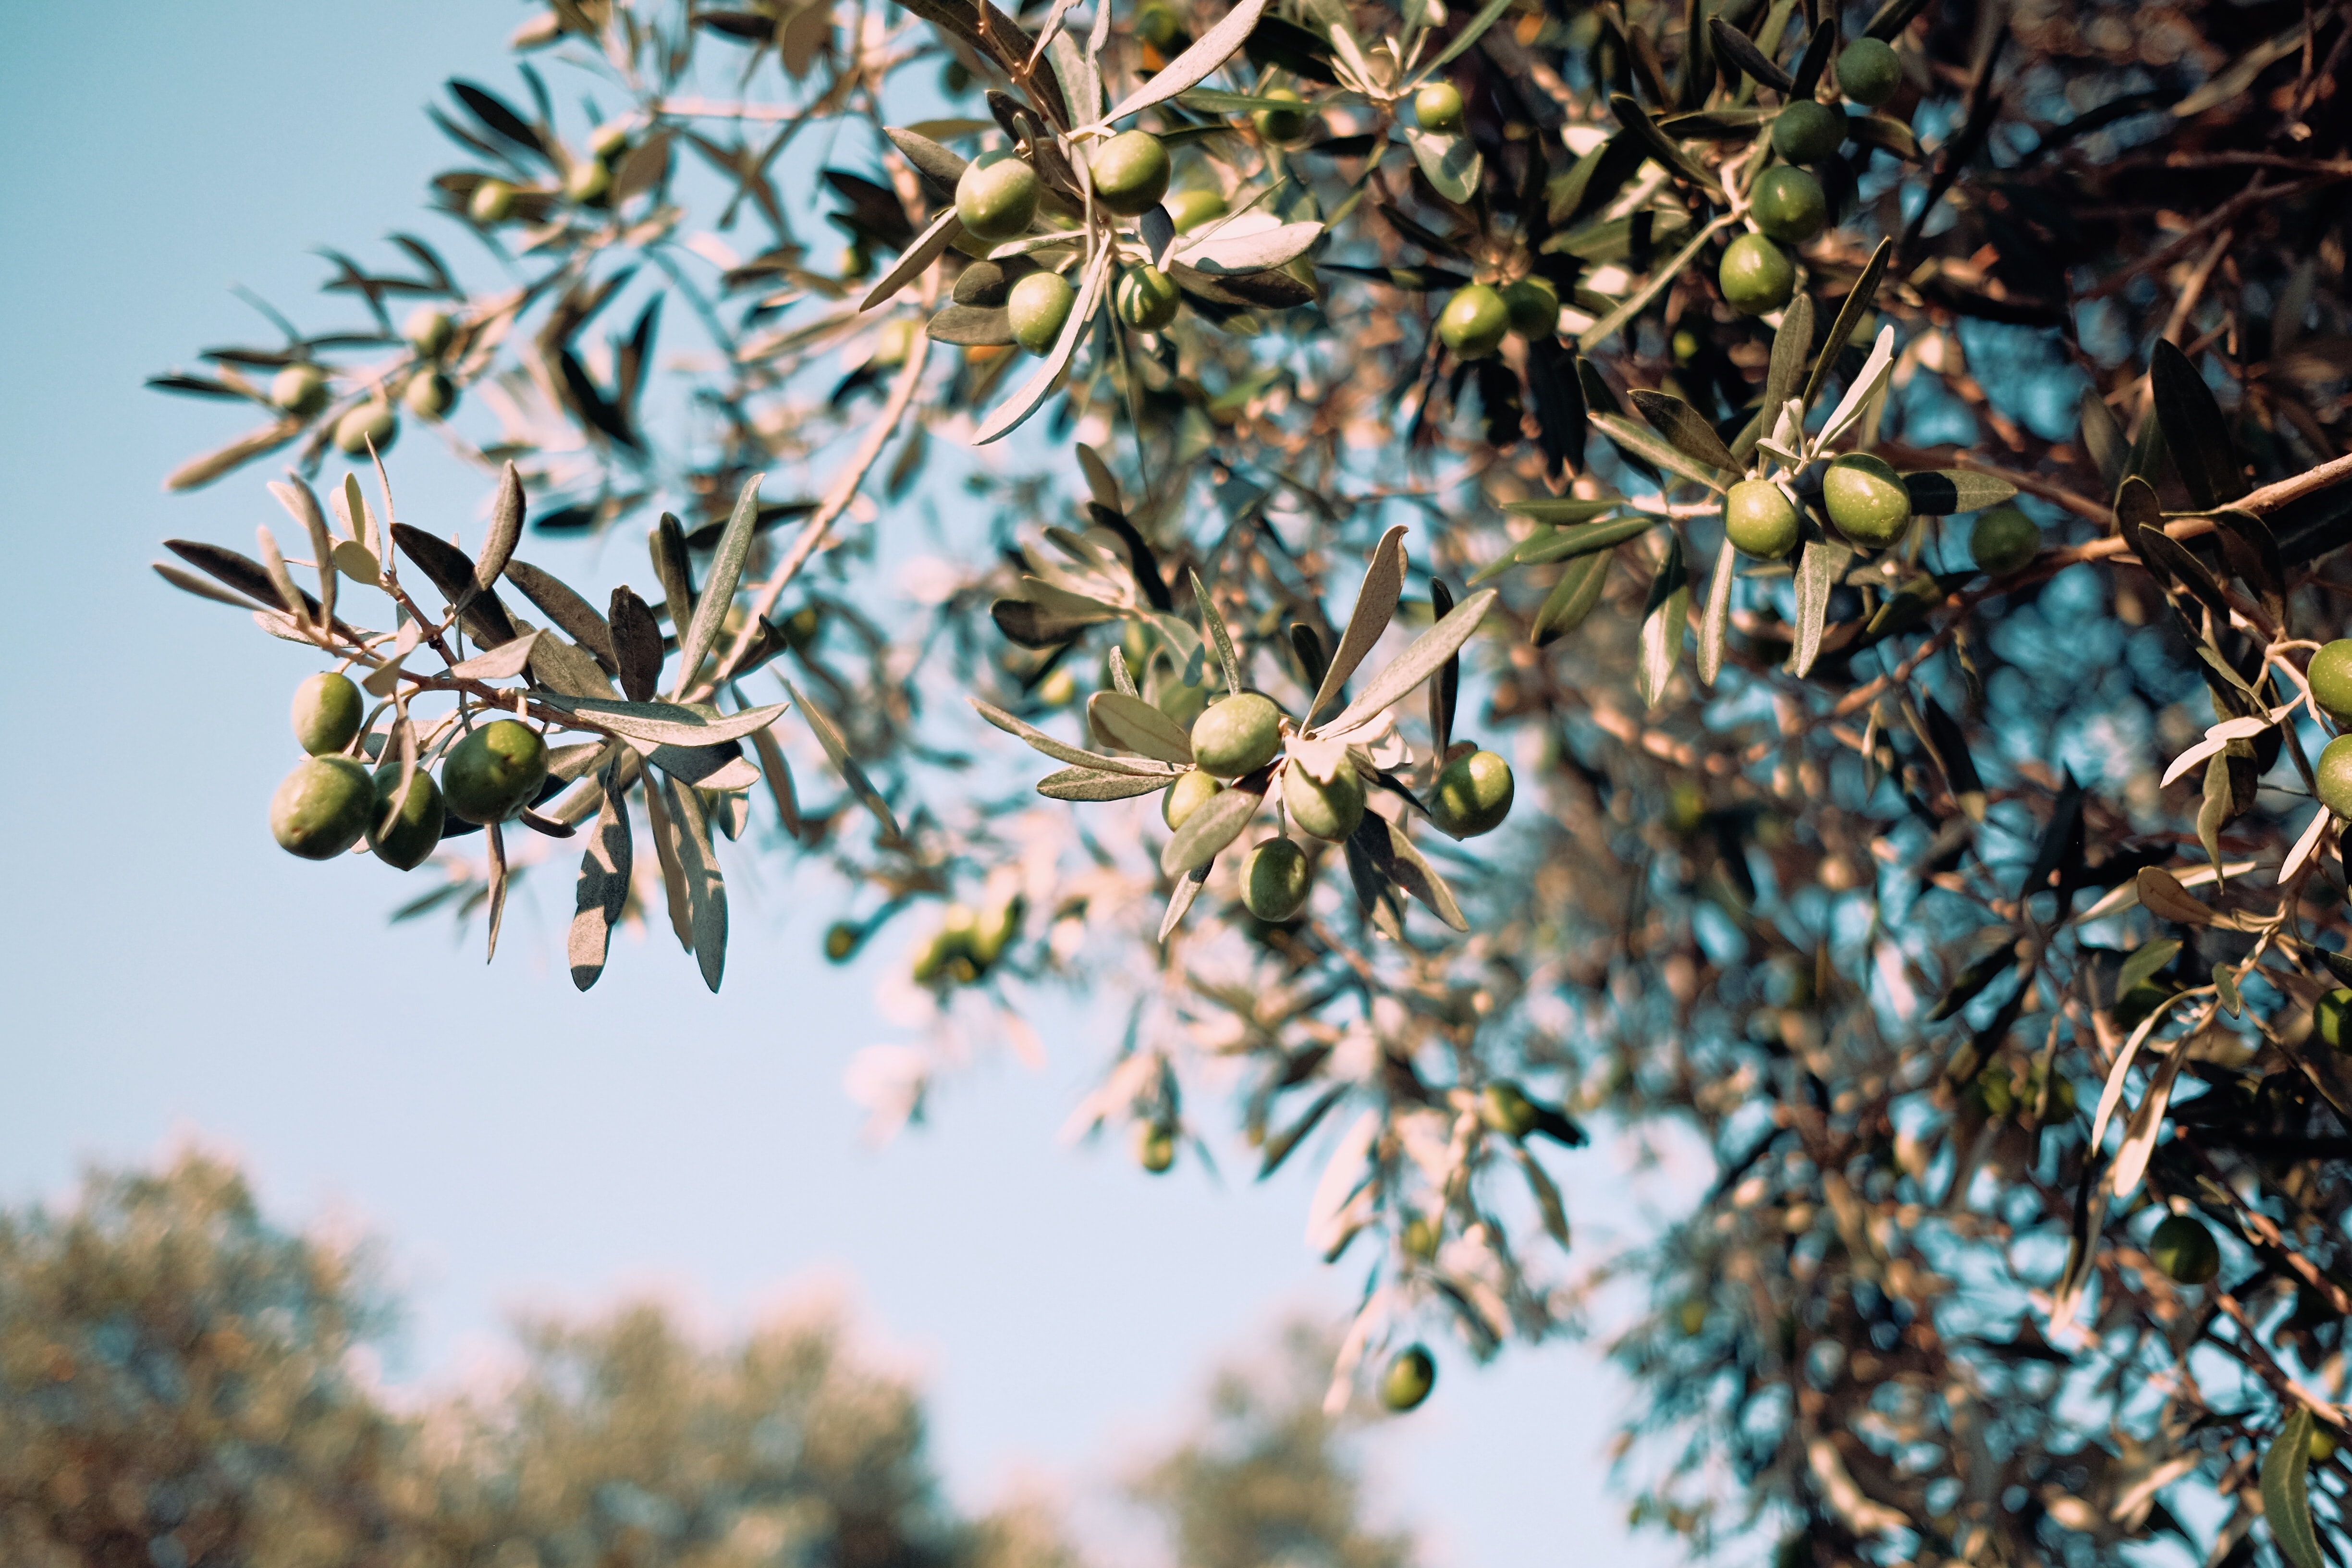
(1875, 476)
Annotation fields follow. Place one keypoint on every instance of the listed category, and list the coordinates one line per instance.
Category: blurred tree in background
(1904, 449)
(178, 1390)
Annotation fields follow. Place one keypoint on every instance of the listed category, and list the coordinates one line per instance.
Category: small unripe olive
(327, 712)
(1039, 304)
(1866, 499)
(1190, 791)
(2331, 680)
(2322, 1447)
(1156, 24)
(491, 202)
(1191, 207)
(1533, 304)
(1276, 880)
(1757, 276)
(955, 78)
(1508, 1108)
(1868, 72)
(893, 341)
(428, 330)
(430, 395)
(841, 940)
(1420, 1238)
(1146, 298)
(1408, 1381)
(1131, 172)
(2331, 1019)
(321, 807)
(2004, 540)
(494, 771)
(588, 182)
(2334, 773)
(996, 928)
(1238, 735)
(1438, 107)
(300, 389)
(997, 196)
(1759, 519)
(1328, 811)
(402, 833)
(2185, 1250)
(1281, 125)
(1473, 794)
(1155, 1147)
(608, 140)
(370, 422)
(1474, 321)
(1790, 205)
(1807, 132)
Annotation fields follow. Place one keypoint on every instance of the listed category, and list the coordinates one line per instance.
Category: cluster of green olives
(1868, 502)
(430, 393)
(1788, 204)
(2005, 1093)
(967, 942)
(1478, 318)
(332, 801)
(586, 181)
(2330, 675)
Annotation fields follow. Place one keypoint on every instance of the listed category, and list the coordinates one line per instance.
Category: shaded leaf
(1131, 724)
(2194, 430)
(837, 750)
(664, 723)
(1821, 569)
(1572, 598)
(603, 889)
(1665, 620)
(1939, 492)
(1213, 826)
(2286, 1494)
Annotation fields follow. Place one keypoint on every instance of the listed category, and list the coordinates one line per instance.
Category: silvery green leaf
(1179, 901)
(1215, 624)
(935, 161)
(2286, 1491)
(1562, 509)
(1406, 868)
(636, 645)
(1093, 784)
(1214, 824)
(928, 246)
(718, 588)
(1572, 598)
(666, 832)
(189, 582)
(1715, 627)
(603, 889)
(1075, 73)
(1279, 1146)
(1939, 492)
(558, 603)
(1866, 386)
(837, 750)
(1062, 751)
(1566, 543)
(1665, 621)
(1792, 347)
(506, 529)
(728, 810)
(1233, 248)
(706, 891)
(1033, 392)
(1688, 433)
(1191, 67)
(720, 767)
(664, 723)
(1131, 724)
(2147, 1123)
(495, 840)
(297, 498)
(281, 581)
(1647, 445)
(1121, 680)
(1821, 569)
(357, 562)
(779, 775)
(499, 663)
(567, 668)
(1855, 306)
(1427, 654)
(1449, 158)
(1375, 603)
(1101, 483)
(358, 518)
(971, 326)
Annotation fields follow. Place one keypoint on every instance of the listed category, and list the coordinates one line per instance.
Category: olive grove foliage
(1959, 882)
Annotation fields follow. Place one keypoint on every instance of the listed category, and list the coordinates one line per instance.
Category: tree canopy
(1875, 476)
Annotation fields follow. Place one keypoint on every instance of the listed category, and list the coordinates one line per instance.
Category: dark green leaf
(556, 601)
(2252, 553)
(2104, 439)
(1639, 125)
(452, 571)
(1572, 598)
(1131, 724)
(1886, 134)
(1939, 492)
(1856, 305)
(2176, 560)
(1740, 49)
(1951, 745)
(1665, 620)
(1816, 57)
(2194, 429)
(1821, 569)
(1640, 441)
(1715, 626)
(1560, 508)
(2286, 1496)
(2146, 962)
(1681, 424)
(636, 645)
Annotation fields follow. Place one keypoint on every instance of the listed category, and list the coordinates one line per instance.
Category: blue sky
(171, 976)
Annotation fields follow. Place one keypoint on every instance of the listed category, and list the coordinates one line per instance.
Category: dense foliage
(1965, 382)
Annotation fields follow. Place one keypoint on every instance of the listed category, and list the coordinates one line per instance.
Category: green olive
(1757, 276)
(1868, 72)
(1438, 107)
(2331, 1019)
(1759, 519)
(1807, 132)
(841, 941)
(1420, 1239)
(1474, 321)
(1146, 298)
(1156, 24)
(368, 422)
(1191, 207)
(1131, 172)
(1276, 880)
(321, 808)
(1039, 305)
(1508, 1109)
(300, 389)
(491, 202)
(1193, 789)
(494, 771)
(2005, 539)
(1790, 205)
(1408, 1380)
(1866, 499)
(327, 712)
(1328, 811)
(403, 834)
(2335, 770)
(1533, 304)
(2331, 680)
(588, 182)
(1281, 126)
(1155, 1147)
(1473, 794)
(2185, 1250)
(1239, 735)
(430, 395)
(428, 330)
(996, 198)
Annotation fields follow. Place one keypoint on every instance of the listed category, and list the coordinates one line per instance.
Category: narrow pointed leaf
(2286, 1491)
(1062, 752)
(1856, 305)
(602, 890)
(1375, 603)
(1426, 656)
(1715, 626)
(1209, 829)
(1822, 569)
(1093, 784)
(718, 588)
(1572, 598)
(506, 529)
(1215, 625)
(1131, 724)
(929, 246)
(837, 750)
(663, 723)
(2194, 429)
(1033, 392)
(1665, 620)
(1642, 442)
(1940, 492)
(1681, 424)
(1191, 67)
(706, 890)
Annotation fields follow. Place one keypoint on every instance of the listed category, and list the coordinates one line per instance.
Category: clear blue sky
(170, 974)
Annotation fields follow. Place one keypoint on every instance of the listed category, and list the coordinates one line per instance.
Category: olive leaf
(1566, 544)
(1867, 381)
(2286, 1494)
(1634, 304)
(1376, 602)
(1683, 426)
(1180, 899)
(1821, 569)
(1643, 130)
(499, 663)
(2175, 560)
(1665, 620)
(2104, 439)
(602, 890)
(1215, 624)
(2194, 430)
(837, 750)
(506, 529)
(972, 326)
(1971, 982)
(1062, 752)
(1793, 348)
(706, 890)
(926, 247)
(1715, 625)
(495, 841)
(663, 723)
(1191, 67)
(298, 500)
(1403, 864)
(1423, 657)
(1228, 248)
(1280, 1145)
(1131, 724)
(2147, 1124)
(1642, 443)
(932, 160)
(1816, 57)
(664, 834)
(1033, 392)
(1214, 824)
(1741, 50)
(717, 767)
(558, 603)
(1884, 133)
(1572, 598)
(636, 645)
(1445, 688)
(1939, 492)
(1094, 783)
(1448, 160)
(1560, 508)
(718, 588)
(779, 775)
(666, 544)
(1857, 304)
(1547, 1196)
(1472, 31)
(452, 571)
